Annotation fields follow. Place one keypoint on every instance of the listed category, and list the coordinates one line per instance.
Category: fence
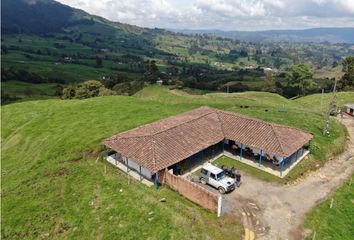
(193, 192)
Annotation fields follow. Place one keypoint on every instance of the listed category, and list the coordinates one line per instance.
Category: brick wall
(192, 191)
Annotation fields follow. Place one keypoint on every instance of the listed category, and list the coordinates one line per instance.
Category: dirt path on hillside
(273, 211)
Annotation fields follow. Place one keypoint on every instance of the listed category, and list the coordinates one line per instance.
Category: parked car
(217, 178)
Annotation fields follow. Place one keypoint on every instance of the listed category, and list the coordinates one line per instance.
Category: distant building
(350, 109)
(250, 67)
(159, 82)
(267, 69)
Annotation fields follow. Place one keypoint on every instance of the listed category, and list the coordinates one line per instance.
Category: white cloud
(223, 14)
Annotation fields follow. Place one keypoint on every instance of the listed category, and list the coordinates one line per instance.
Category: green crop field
(335, 222)
(53, 186)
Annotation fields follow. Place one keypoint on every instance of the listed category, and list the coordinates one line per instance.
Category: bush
(128, 88)
(88, 89)
(69, 92)
(106, 92)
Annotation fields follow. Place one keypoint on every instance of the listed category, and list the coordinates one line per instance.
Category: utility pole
(332, 104)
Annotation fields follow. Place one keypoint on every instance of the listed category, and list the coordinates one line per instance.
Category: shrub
(69, 92)
(106, 92)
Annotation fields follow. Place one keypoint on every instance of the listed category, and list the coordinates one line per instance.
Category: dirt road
(274, 211)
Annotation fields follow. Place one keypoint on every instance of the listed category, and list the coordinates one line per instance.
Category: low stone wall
(193, 192)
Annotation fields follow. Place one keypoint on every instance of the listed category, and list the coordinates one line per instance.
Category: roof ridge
(153, 152)
(221, 124)
(260, 120)
(277, 137)
(191, 120)
(158, 132)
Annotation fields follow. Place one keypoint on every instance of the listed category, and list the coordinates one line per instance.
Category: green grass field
(23, 89)
(335, 222)
(53, 187)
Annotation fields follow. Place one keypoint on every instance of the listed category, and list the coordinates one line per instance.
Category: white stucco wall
(133, 165)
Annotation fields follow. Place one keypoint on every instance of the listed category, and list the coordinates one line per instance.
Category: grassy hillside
(63, 45)
(53, 187)
(335, 223)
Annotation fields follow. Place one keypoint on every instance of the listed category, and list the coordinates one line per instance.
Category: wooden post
(241, 150)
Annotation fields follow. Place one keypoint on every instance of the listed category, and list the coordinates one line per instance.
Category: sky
(249, 15)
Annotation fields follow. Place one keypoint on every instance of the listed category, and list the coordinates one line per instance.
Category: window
(205, 172)
(212, 175)
(221, 175)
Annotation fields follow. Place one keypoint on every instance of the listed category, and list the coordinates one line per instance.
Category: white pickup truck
(217, 178)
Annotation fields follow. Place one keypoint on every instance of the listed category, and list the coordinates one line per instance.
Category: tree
(88, 89)
(347, 80)
(118, 78)
(300, 77)
(269, 83)
(151, 71)
(98, 62)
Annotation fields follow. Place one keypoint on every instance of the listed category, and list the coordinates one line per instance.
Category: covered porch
(279, 166)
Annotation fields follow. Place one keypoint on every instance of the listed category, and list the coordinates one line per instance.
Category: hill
(45, 42)
(312, 35)
(54, 187)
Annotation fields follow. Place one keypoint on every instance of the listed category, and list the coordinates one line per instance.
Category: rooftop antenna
(332, 106)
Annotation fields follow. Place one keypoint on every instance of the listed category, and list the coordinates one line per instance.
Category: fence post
(219, 205)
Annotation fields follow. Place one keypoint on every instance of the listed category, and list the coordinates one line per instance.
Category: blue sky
(223, 14)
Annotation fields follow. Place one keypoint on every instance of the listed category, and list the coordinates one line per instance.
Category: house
(159, 82)
(350, 109)
(181, 142)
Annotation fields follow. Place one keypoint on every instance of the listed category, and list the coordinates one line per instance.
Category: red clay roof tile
(168, 141)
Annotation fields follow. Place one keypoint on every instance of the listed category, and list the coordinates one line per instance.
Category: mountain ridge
(325, 34)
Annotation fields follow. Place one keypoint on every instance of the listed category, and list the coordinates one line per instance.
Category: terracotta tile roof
(168, 141)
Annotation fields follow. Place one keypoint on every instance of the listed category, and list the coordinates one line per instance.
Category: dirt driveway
(274, 211)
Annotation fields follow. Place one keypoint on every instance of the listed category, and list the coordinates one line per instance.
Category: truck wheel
(221, 190)
(203, 181)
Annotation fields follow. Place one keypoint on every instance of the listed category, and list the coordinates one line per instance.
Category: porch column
(297, 155)
(281, 166)
(155, 181)
(223, 146)
(260, 158)
(127, 165)
(141, 176)
(189, 163)
(241, 150)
